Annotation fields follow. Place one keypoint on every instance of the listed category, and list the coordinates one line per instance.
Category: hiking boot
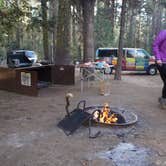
(159, 99)
(162, 102)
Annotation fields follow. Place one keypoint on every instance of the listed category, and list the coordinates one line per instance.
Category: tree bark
(18, 35)
(88, 29)
(45, 29)
(63, 33)
(112, 14)
(53, 13)
(131, 34)
(121, 36)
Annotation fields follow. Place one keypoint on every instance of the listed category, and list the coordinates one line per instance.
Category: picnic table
(92, 72)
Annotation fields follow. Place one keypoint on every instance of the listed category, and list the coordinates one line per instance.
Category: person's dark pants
(162, 71)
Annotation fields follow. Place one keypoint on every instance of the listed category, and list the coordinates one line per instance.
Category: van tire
(152, 70)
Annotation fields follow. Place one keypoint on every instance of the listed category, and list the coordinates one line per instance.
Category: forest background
(65, 31)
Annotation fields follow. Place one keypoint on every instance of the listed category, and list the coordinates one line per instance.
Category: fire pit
(111, 116)
(98, 115)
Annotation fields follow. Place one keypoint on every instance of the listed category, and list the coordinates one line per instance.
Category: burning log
(105, 115)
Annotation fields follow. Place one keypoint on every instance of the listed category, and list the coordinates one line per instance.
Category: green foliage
(19, 21)
(2, 53)
(103, 28)
(163, 2)
(12, 13)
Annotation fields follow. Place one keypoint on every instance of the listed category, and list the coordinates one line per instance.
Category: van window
(30, 54)
(142, 53)
(130, 53)
(107, 53)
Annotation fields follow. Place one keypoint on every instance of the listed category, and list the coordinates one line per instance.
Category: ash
(127, 154)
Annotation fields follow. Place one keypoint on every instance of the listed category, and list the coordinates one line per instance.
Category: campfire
(100, 115)
(106, 116)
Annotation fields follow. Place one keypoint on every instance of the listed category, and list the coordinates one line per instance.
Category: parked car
(133, 59)
(21, 58)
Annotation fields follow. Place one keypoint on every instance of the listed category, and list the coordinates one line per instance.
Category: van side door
(142, 60)
(130, 59)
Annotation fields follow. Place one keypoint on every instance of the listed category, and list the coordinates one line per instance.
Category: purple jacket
(159, 46)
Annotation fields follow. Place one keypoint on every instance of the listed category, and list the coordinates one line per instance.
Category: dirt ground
(29, 135)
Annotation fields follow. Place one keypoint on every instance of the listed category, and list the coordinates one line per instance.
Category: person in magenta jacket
(159, 49)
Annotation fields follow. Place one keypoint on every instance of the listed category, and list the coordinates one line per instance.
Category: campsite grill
(82, 114)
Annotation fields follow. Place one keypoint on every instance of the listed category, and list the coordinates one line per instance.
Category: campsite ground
(29, 135)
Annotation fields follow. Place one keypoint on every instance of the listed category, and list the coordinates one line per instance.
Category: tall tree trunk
(18, 33)
(74, 35)
(159, 17)
(138, 32)
(147, 30)
(164, 22)
(130, 37)
(110, 12)
(112, 17)
(88, 29)
(45, 29)
(156, 18)
(121, 36)
(53, 13)
(63, 33)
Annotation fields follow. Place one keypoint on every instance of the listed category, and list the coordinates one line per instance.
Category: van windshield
(143, 53)
(101, 53)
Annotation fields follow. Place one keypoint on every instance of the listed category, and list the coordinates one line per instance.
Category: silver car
(21, 58)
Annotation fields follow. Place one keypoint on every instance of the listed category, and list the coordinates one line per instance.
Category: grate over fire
(98, 115)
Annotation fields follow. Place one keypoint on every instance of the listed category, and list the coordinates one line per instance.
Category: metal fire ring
(130, 117)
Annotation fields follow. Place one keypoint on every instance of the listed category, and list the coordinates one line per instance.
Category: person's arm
(156, 45)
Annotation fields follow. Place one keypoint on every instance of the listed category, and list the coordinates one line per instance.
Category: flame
(105, 115)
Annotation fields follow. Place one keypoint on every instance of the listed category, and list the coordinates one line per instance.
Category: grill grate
(71, 123)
